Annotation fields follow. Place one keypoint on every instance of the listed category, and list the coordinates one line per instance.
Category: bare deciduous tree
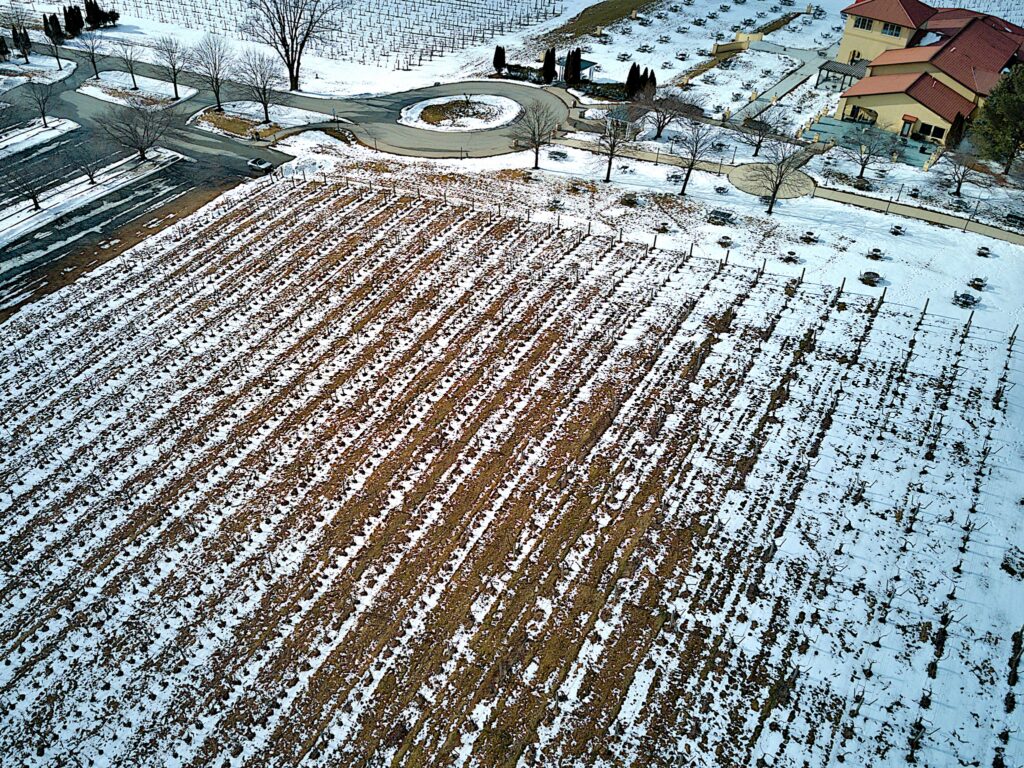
(39, 96)
(127, 53)
(92, 46)
(875, 148)
(536, 128)
(288, 26)
(259, 74)
(136, 127)
(696, 142)
(660, 112)
(617, 136)
(779, 172)
(171, 56)
(26, 181)
(755, 131)
(86, 161)
(213, 61)
(960, 167)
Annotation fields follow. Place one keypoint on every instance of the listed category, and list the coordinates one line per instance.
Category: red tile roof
(974, 56)
(940, 98)
(877, 84)
(921, 87)
(914, 55)
(906, 13)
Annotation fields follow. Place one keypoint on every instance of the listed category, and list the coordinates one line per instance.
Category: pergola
(847, 72)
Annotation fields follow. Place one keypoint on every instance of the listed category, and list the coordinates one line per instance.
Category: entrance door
(907, 127)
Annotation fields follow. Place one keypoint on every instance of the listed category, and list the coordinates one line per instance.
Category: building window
(892, 30)
(929, 131)
(859, 22)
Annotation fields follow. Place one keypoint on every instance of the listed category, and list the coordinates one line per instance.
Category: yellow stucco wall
(942, 77)
(891, 107)
(869, 43)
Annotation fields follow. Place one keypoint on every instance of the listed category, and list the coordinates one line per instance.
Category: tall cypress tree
(5, 53)
(548, 70)
(643, 82)
(92, 14)
(499, 58)
(56, 31)
(632, 80)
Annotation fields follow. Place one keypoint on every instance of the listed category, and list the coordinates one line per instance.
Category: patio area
(848, 133)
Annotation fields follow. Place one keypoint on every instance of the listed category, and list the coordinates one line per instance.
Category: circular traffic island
(461, 113)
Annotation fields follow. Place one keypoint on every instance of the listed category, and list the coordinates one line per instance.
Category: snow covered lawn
(986, 197)
(40, 69)
(117, 87)
(18, 220)
(241, 118)
(34, 133)
(731, 84)
(461, 113)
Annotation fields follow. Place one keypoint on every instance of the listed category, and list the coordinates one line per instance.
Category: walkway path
(809, 60)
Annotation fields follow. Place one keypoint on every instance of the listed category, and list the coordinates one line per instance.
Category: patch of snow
(40, 69)
(33, 134)
(491, 112)
(118, 88)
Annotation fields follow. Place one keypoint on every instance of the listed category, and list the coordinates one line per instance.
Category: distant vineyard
(1010, 10)
(334, 476)
(398, 34)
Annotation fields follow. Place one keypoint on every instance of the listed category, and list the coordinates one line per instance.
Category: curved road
(220, 160)
(374, 118)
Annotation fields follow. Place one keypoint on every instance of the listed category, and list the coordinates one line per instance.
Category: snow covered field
(459, 113)
(335, 473)
(377, 60)
(119, 88)
(40, 69)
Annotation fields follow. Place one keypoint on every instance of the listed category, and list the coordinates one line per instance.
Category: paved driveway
(221, 160)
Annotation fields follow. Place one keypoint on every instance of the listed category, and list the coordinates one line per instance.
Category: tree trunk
(293, 76)
(43, 115)
(862, 169)
(1009, 162)
(757, 147)
(266, 111)
(771, 203)
(174, 82)
(686, 180)
(959, 183)
(608, 175)
(142, 153)
(56, 55)
(536, 157)
(95, 70)
(135, 86)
